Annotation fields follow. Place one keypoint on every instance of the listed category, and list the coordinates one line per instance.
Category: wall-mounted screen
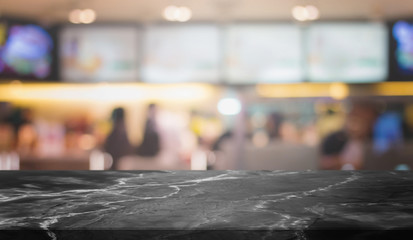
(402, 52)
(99, 53)
(263, 53)
(181, 53)
(347, 52)
(26, 51)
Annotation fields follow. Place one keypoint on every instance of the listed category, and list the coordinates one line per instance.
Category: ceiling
(206, 10)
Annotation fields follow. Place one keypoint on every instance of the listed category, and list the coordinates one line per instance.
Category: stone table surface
(266, 202)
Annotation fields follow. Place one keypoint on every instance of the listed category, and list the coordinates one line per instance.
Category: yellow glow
(339, 91)
(118, 93)
(395, 89)
(109, 93)
(334, 90)
(293, 90)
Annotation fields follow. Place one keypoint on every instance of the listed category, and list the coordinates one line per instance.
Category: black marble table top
(229, 204)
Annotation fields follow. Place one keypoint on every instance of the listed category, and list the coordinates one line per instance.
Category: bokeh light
(229, 106)
(169, 13)
(184, 14)
(300, 13)
(74, 16)
(339, 91)
(179, 14)
(305, 13)
(85, 16)
(312, 12)
(88, 16)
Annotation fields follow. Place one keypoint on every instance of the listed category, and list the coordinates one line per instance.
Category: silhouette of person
(117, 143)
(346, 146)
(150, 145)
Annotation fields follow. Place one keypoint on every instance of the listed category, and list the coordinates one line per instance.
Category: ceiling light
(88, 16)
(174, 13)
(300, 13)
(184, 14)
(169, 13)
(313, 12)
(84, 16)
(74, 16)
(229, 106)
(305, 13)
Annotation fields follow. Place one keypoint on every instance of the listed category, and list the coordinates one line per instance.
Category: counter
(205, 204)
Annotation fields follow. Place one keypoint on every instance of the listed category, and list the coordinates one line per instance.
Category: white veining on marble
(261, 204)
(287, 221)
(191, 200)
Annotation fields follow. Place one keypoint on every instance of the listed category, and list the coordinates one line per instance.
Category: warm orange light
(339, 91)
(104, 92)
(334, 90)
(292, 90)
(395, 89)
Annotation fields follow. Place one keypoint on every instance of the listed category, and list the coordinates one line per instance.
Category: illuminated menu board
(402, 54)
(264, 53)
(99, 53)
(26, 51)
(347, 52)
(181, 53)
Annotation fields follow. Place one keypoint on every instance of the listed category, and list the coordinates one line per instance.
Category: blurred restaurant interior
(206, 85)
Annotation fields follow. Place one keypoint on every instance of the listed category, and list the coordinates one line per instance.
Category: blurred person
(229, 134)
(331, 117)
(228, 149)
(226, 136)
(266, 131)
(344, 149)
(19, 117)
(150, 145)
(5, 111)
(408, 122)
(273, 125)
(21, 120)
(27, 139)
(117, 143)
(6, 129)
(6, 137)
(279, 129)
(26, 134)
